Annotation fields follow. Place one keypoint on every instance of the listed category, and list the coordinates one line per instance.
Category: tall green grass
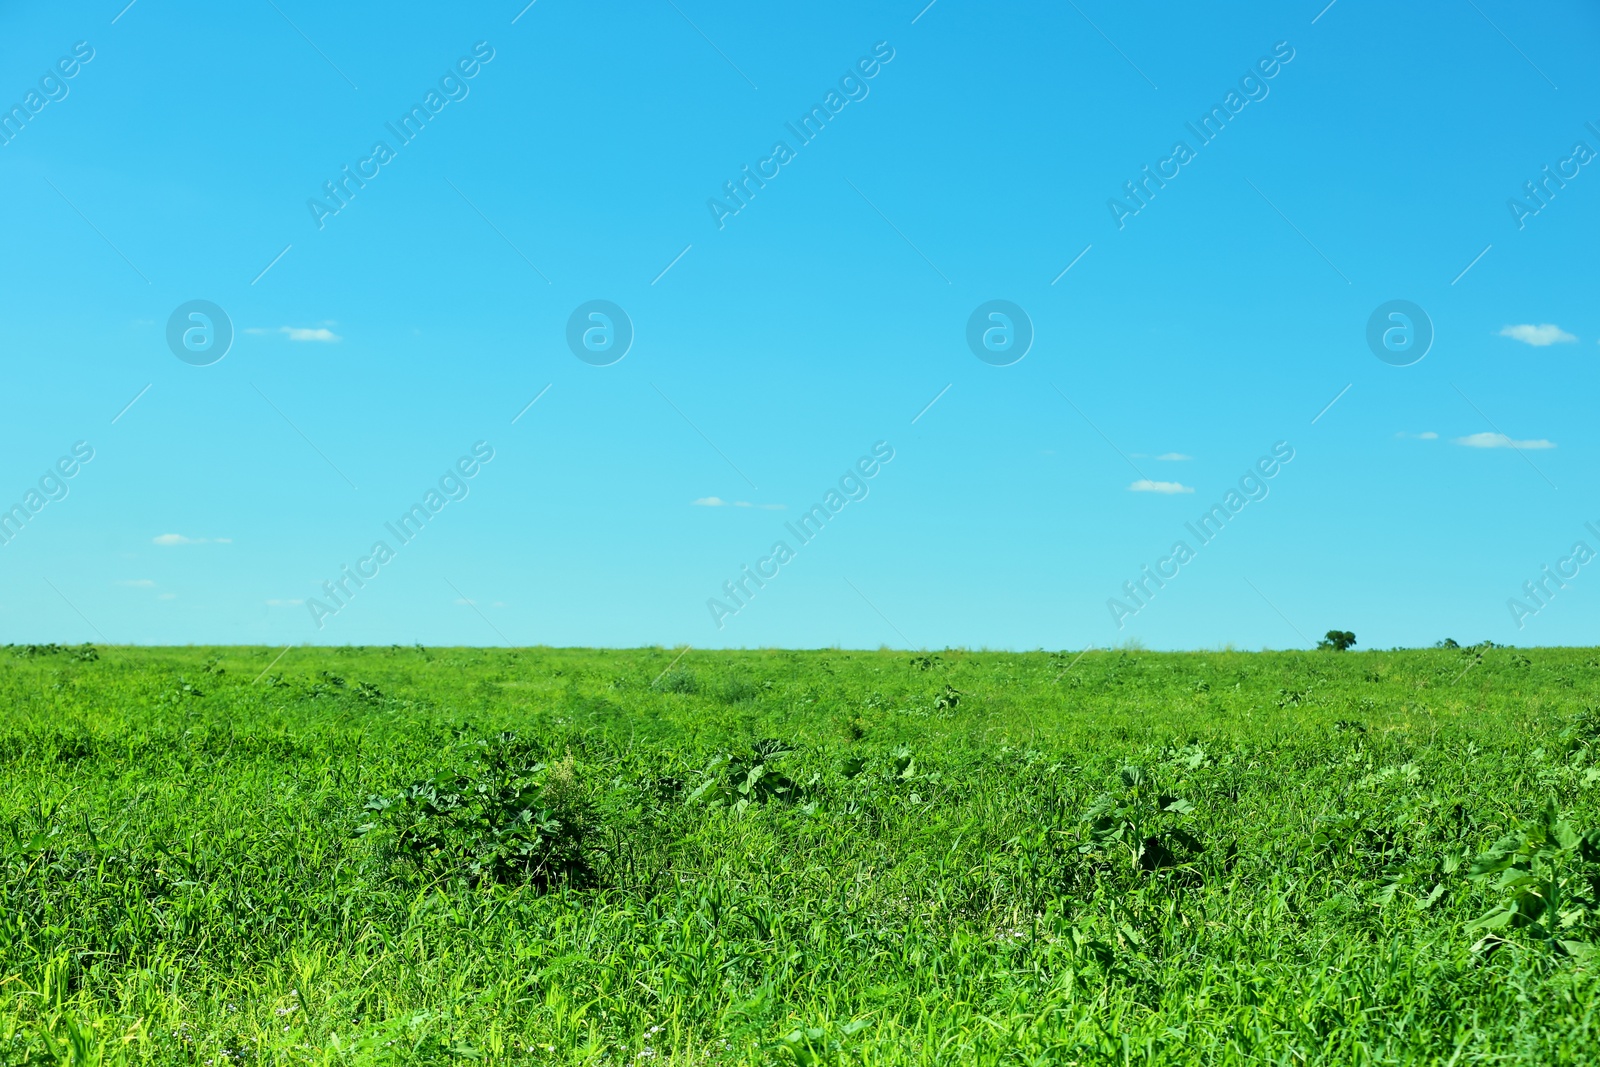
(409, 855)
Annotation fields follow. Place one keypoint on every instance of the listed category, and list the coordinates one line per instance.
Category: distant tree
(1337, 641)
(1448, 642)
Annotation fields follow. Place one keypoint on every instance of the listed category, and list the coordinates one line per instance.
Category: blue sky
(375, 346)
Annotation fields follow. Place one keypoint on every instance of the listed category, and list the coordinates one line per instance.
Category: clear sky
(933, 161)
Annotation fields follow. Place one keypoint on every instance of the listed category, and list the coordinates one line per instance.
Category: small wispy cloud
(1145, 485)
(284, 603)
(318, 333)
(1426, 435)
(1538, 336)
(138, 583)
(166, 596)
(298, 333)
(178, 539)
(1500, 440)
(718, 502)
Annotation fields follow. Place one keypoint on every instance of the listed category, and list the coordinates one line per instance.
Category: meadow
(497, 856)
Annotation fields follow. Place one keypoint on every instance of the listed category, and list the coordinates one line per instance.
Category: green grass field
(415, 855)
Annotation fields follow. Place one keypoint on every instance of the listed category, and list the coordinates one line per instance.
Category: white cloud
(1500, 440)
(179, 539)
(718, 502)
(319, 333)
(1174, 457)
(299, 333)
(1538, 336)
(1426, 435)
(284, 603)
(1145, 485)
(138, 583)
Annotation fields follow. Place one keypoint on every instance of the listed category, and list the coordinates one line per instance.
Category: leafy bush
(1141, 822)
(677, 680)
(739, 780)
(1337, 641)
(505, 820)
(1549, 884)
(1582, 729)
(738, 689)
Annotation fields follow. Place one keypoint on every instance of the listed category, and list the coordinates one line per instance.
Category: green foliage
(818, 1046)
(1548, 886)
(1337, 641)
(85, 653)
(504, 819)
(677, 680)
(1141, 824)
(738, 689)
(428, 856)
(739, 780)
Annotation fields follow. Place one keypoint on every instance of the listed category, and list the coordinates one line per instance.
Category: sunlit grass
(795, 857)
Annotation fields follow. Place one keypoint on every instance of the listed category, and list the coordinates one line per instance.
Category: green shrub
(677, 680)
(506, 820)
(1549, 887)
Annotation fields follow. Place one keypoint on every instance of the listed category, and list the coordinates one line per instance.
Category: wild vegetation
(409, 856)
